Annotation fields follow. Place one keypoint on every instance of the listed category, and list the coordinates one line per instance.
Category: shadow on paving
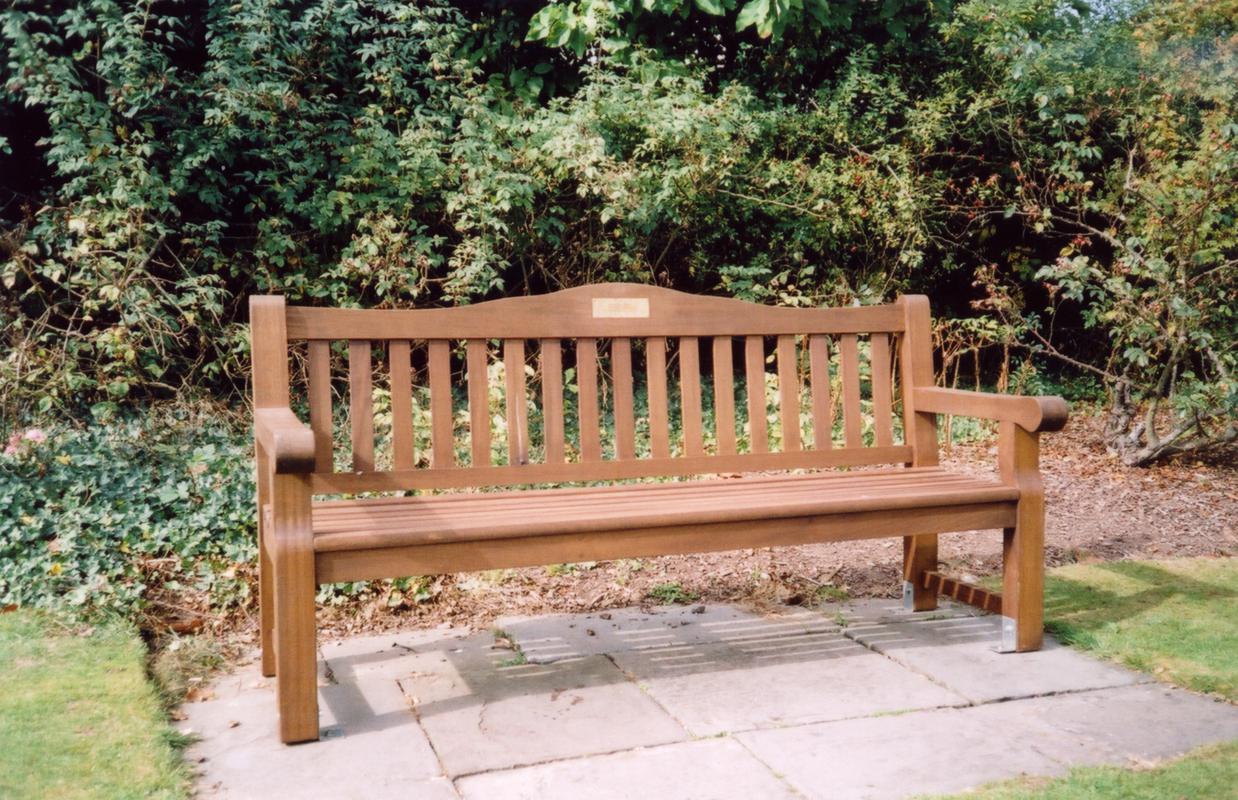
(562, 653)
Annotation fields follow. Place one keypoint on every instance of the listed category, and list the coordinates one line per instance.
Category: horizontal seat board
(340, 512)
(480, 513)
(424, 520)
(574, 313)
(524, 551)
(464, 477)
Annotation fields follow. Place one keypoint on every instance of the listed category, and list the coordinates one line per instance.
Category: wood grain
(361, 405)
(442, 440)
(659, 416)
(478, 367)
(551, 353)
(754, 383)
(789, 392)
(399, 354)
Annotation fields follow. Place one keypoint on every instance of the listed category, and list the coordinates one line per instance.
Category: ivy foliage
(115, 517)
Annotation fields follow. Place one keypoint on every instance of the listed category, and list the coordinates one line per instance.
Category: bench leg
(266, 595)
(294, 587)
(919, 556)
(1023, 546)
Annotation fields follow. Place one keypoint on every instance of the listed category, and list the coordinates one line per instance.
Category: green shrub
(99, 518)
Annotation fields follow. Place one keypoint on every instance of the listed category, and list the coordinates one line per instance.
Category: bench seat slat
(345, 514)
(421, 520)
(524, 551)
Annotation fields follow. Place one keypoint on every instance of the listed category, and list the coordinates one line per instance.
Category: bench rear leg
(1023, 547)
(294, 587)
(919, 556)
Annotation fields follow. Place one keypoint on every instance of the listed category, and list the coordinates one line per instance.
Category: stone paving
(860, 701)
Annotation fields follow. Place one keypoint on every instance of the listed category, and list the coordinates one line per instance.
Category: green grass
(1210, 773)
(78, 716)
(1174, 619)
(670, 593)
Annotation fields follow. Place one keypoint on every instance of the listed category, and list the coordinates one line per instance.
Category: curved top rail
(597, 310)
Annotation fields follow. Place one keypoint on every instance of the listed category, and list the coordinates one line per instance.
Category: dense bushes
(1067, 173)
(115, 517)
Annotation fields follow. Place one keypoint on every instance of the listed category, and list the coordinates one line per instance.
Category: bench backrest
(591, 380)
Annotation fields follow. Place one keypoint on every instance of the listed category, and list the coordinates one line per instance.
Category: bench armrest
(287, 441)
(1032, 414)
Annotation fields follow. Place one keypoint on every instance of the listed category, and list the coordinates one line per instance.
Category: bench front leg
(294, 586)
(1023, 549)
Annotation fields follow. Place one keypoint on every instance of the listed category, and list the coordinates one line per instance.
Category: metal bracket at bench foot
(1010, 636)
(909, 596)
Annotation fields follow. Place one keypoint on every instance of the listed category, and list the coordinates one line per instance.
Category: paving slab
(928, 752)
(483, 709)
(1134, 724)
(863, 700)
(551, 638)
(712, 769)
(960, 653)
(777, 680)
(368, 729)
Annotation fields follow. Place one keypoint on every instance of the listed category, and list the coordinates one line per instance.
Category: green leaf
(754, 12)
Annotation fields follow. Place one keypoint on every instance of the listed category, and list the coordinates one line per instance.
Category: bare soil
(1098, 510)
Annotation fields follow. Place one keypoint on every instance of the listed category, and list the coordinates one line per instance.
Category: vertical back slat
(822, 405)
(516, 403)
(320, 403)
(659, 417)
(883, 409)
(848, 347)
(587, 379)
(399, 355)
(361, 405)
(789, 393)
(724, 395)
(442, 448)
(552, 399)
(625, 418)
(754, 376)
(479, 401)
(690, 395)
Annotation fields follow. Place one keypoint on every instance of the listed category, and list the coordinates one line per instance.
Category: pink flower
(36, 435)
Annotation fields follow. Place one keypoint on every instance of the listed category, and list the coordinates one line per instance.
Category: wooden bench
(872, 363)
